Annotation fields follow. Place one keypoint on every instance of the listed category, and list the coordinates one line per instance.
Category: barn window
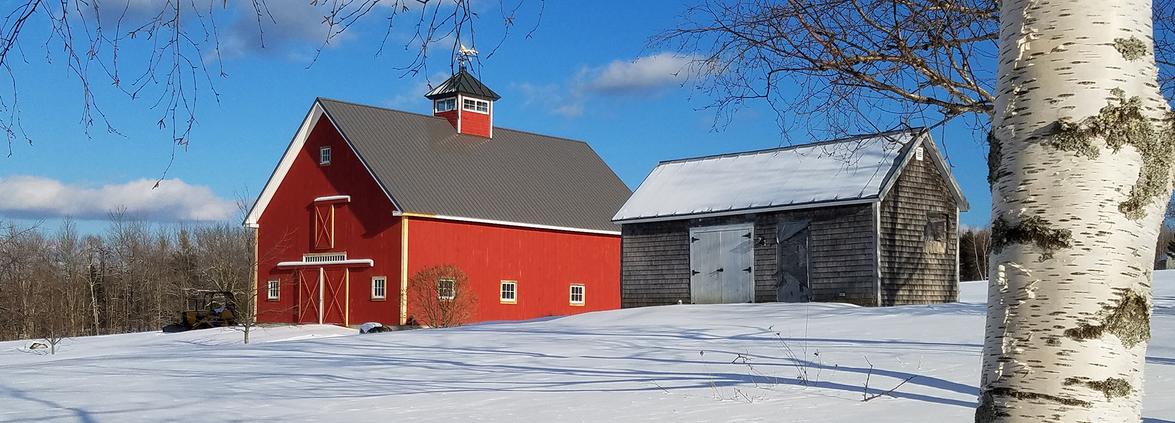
(474, 105)
(935, 235)
(273, 290)
(446, 289)
(509, 292)
(577, 294)
(324, 155)
(379, 288)
(444, 105)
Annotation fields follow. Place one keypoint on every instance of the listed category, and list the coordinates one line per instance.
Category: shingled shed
(869, 220)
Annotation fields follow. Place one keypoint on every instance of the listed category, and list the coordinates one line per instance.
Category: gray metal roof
(427, 167)
(462, 83)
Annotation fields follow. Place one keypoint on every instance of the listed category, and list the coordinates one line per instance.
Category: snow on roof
(832, 171)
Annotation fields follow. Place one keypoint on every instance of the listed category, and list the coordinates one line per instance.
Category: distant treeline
(975, 246)
(134, 277)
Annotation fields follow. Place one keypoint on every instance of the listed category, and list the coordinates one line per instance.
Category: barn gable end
(913, 269)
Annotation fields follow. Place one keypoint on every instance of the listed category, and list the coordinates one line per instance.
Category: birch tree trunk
(1081, 170)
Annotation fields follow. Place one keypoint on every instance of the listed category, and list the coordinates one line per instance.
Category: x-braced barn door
(793, 262)
(721, 264)
(334, 296)
(324, 226)
(309, 296)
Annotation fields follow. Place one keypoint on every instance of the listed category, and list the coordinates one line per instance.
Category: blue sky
(586, 73)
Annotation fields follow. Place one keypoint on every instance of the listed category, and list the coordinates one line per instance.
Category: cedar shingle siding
(910, 274)
(655, 257)
(901, 249)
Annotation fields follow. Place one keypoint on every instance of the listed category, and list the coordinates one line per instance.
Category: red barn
(364, 197)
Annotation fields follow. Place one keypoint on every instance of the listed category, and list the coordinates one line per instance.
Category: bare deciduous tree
(167, 54)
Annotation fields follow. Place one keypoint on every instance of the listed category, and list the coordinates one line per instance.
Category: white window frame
(324, 155)
(444, 105)
(476, 106)
(513, 292)
(451, 291)
(379, 287)
(582, 294)
(273, 290)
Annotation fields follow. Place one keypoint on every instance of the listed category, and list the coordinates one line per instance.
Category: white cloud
(172, 200)
(643, 76)
(281, 25)
(646, 73)
(556, 98)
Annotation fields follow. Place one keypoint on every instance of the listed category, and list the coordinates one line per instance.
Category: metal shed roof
(462, 83)
(851, 170)
(520, 177)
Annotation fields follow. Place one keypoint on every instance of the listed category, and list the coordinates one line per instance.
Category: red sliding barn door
(334, 296)
(309, 309)
(323, 296)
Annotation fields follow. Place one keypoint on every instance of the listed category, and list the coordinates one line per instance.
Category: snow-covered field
(744, 362)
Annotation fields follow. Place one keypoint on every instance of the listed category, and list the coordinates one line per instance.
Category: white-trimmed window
(577, 294)
(273, 290)
(379, 287)
(446, 289)
(324, 155)
(475, 105)
(508, 292)
(444, 105)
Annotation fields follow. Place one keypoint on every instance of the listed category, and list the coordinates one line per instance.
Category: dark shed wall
(654, 264)
(842, 256)
(910, 273)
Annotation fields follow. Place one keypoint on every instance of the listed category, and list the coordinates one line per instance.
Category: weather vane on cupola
(464, 55)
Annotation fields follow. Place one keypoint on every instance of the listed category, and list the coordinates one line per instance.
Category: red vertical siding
(474, 123)
(544, 263)
(364, 228)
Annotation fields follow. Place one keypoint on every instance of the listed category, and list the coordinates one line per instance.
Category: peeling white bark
(1057, 61)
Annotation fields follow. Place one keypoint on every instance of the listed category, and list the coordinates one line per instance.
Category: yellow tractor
(206, 309)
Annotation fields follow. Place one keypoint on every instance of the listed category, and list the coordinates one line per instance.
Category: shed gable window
(446, 289)
(444, 105)
(379, 288)
(475, 105)
(935, 235)
(577, 296)
(508, 294)
(273, 290)
(324, 155)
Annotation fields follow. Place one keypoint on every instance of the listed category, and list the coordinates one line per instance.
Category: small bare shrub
(441, 296)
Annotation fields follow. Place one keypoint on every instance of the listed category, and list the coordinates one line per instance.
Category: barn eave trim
(505, 223)
(749, 210)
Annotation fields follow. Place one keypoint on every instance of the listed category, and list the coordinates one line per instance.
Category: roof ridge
(369, 106)
(914, 130)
